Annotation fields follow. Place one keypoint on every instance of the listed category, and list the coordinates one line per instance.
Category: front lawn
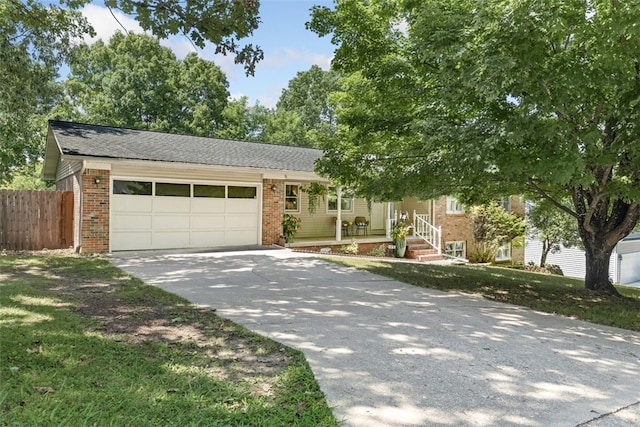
(543, 292)
(82, 343)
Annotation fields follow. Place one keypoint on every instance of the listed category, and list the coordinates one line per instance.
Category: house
(624, 264)
(137, 190)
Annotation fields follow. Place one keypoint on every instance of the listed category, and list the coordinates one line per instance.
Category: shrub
(379, 251)
(351, 248)
(290, 225)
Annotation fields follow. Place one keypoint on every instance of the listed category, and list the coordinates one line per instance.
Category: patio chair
(361, 223)
(346, 226)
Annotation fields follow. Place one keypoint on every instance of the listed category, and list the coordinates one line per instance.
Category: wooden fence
(34, 220)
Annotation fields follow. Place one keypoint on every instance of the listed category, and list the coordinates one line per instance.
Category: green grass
(543, 292)
(83, 344)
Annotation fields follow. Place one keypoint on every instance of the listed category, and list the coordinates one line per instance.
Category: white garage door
(164, 215)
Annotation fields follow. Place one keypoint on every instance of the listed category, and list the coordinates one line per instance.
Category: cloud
(282, 58)
(105, 25)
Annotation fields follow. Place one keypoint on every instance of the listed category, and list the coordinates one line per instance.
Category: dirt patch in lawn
(126, 310)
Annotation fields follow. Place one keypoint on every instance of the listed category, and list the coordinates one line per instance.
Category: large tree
(554, 228)
(34, 38)
(135, 82)
(307, 97)
(497, 97)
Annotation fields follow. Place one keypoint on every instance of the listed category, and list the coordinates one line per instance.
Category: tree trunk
(602, 223)
(546, 247)
(597, 270)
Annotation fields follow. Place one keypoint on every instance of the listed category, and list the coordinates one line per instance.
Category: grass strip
(543, 292)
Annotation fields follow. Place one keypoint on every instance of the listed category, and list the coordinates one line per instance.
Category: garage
(629, 260)
(154, 214)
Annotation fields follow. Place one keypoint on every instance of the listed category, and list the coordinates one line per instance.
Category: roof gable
(104, 142)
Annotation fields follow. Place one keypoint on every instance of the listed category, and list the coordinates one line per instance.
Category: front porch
(305, 242)
(372, 245)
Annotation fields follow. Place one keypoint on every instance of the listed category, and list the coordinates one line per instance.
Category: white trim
(459, 207)
(265, 173)
(90, 164)
(299, 197)
(454, 242)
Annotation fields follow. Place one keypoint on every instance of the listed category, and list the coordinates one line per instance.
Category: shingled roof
(104, 142)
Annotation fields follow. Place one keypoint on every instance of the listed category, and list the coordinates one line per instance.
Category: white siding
(629, 257)
(623, 267)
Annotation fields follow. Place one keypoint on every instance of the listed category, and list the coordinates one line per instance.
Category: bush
(380, 251)
(351, 248)
(547, 268)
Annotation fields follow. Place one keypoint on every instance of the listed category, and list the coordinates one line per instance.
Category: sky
(288, 46)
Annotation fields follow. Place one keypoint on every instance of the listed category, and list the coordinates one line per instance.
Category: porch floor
(301, 242)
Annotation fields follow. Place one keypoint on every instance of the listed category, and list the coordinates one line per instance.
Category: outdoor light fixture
(274, 188)
(97, 180)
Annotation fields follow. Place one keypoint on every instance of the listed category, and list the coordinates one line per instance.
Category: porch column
(339, 220)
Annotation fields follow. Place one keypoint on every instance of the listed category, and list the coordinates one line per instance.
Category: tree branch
(547, 196)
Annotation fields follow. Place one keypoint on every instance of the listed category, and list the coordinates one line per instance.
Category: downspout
(78, 249)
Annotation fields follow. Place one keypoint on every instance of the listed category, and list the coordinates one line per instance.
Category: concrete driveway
(390, 354)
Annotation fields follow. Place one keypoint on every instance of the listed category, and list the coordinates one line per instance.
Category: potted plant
(314, 191)
(290, 225)
(399, 234)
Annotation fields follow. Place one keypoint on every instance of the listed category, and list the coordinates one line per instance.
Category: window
(175, 190)
(136, 188)
(212, 191)
(292, 197)
(504, 252)
(454, 207)
(236, 192)
(505, 202)
(346, 200)
(455, 249)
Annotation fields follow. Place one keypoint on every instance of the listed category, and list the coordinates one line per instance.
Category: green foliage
(553, 227)
(72, 357)
(351, 248)
(290, 226)
(221, 22)
(400, 230)
(378, 251)
(493, 227)
(480, 99)
(34, 40)
(315, 190)
(28, 177)
(243, 122)
(135, 82)
(307, 96)
(543, 292)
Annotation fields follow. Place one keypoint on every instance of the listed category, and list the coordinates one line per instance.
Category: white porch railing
(423, 229)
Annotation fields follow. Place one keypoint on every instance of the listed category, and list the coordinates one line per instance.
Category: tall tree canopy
(134, 82)
(36, 38)
(307, 96)
(478, 99)
(220, 22)
(33, 40)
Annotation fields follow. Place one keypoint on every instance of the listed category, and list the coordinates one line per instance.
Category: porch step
(420, 250)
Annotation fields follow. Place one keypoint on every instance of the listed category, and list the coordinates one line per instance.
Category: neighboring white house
(624, 267)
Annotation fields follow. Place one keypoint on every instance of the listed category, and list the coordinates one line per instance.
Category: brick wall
(455, 227)
(458, 227)
(95, 211)
(272, 211)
